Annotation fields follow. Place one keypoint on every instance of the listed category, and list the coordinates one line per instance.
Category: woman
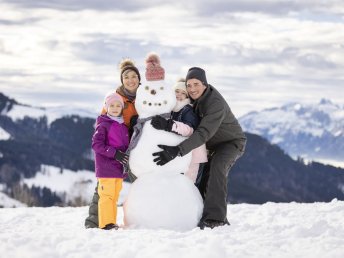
(130, 79)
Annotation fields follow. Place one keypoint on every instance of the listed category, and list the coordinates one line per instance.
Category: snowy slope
(310, 131)
(269, 230)
(52, 113)
(15, 110)
(4, 135)
(67, 184)
(8, 202)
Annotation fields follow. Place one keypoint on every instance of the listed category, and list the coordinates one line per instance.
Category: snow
(179, 201)
(69, 184)
(52, 113)
(7, 202)
(331, 162)
(4, 135)
(141, 157)
(269, 230)
(309, 119)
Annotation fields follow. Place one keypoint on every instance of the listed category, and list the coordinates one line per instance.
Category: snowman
(161, 196)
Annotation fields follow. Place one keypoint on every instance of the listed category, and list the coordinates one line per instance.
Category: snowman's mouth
(157, 104)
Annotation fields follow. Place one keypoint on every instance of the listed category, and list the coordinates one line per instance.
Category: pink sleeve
(182, 129)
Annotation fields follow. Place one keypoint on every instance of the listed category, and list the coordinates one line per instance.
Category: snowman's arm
(99, 141)
(182, 129)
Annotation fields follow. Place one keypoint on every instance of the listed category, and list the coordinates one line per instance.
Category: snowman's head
(153, 97)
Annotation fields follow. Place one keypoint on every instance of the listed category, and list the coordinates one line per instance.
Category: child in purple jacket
(109, 142)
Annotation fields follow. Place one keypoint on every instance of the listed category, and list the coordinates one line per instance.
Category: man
(225, 141)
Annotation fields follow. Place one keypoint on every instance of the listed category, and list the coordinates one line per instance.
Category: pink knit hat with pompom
(154, 72)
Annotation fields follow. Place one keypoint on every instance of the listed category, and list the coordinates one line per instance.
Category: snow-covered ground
(269, 230)
(69, 185)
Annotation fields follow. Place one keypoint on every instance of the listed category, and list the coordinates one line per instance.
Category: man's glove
(121, 157)
(160, 123)
(168, 154)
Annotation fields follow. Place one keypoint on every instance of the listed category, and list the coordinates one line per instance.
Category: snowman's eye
(146, 87)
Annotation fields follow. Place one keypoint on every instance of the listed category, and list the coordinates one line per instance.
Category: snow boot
(211, 223)
(111, 226)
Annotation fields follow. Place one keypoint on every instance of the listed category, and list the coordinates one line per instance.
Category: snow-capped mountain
(308, 131)
(16, 111)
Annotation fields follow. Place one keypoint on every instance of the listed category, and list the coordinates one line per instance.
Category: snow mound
(171, 202)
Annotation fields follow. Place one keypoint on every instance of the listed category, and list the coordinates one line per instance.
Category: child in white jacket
(183, 121)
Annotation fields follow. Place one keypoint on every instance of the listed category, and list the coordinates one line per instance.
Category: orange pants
(108, 190)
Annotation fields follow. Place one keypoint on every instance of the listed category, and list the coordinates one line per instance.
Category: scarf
(129, 95)
(180, 104)
(118, 119)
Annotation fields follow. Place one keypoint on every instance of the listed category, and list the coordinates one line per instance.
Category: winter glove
(121, 157)
(168, 154)
(160, 123)
(133, 121)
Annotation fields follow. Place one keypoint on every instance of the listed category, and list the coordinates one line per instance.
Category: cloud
(202, 7)
(19, 22)
(250, 50)
(315, 61)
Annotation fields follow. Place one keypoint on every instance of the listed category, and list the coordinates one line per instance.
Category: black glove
(121, 157)
(133, 121)
(160, 123)
(168, 154)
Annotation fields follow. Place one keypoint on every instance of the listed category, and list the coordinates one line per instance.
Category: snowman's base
(169, 201)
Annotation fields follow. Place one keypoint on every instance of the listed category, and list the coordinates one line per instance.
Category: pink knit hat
(154, 72)
(110, 98)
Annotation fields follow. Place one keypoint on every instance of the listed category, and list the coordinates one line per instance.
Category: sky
(259, 54)
(269, 230)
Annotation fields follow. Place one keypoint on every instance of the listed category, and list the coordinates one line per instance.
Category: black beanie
(132, 68)
(197, 73)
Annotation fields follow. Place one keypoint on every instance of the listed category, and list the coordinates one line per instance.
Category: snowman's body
(141, 157)
(161, 197)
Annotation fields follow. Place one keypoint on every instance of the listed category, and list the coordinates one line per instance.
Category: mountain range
(40, 154)
(313, 131)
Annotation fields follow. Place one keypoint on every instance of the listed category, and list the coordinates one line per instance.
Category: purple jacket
(109, 137)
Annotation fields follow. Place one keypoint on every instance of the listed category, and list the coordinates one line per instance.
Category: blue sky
(259, 54)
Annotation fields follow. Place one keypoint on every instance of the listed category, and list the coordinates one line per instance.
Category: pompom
(153, 58)
(126, 62)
